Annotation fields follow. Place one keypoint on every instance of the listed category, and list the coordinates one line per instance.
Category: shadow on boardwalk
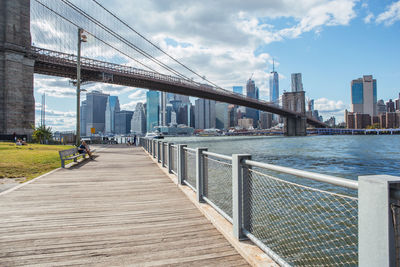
(117, 210)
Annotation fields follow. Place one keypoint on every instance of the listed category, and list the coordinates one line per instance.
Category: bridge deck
(119, 209)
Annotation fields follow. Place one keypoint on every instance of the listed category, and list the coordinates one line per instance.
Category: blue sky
(329, 42)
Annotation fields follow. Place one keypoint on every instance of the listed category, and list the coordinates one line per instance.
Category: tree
(41, 134)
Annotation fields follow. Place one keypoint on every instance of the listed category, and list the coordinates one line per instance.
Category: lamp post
(81, 38)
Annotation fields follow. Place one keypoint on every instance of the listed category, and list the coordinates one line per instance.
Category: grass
(30, 161)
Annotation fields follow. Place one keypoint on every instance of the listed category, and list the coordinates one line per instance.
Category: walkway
(119, 209)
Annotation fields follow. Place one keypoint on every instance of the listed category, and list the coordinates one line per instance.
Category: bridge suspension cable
(106, 35)
(94, 36)
(154, 45)
(124, 40)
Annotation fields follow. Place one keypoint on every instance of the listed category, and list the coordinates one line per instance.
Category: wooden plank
(119, 209)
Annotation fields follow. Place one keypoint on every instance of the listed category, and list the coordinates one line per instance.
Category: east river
(339, 155)
(295, 216)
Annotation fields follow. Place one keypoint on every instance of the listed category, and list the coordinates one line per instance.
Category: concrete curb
(250, 252)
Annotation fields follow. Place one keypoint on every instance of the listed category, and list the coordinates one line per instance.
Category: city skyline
(327, 63)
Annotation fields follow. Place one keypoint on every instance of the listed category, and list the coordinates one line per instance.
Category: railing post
(376, 234)
(163, 158)
(159, 143)
(181, 164)
(200, 173)
(240, 196)
(169, 156)
(154, 148)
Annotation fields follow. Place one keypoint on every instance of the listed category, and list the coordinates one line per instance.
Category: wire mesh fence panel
(218, 183)
(174, 160)
(190, 168)
(303, 225)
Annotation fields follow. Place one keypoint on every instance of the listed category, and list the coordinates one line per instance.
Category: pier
(117, 210)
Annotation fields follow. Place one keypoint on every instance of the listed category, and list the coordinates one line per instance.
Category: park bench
(71, 153)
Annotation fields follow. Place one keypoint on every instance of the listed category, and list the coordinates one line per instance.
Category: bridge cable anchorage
(114, 34)
(157, 47)
(97, 38)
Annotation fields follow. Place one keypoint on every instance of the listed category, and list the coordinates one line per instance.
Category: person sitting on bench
(84, 148)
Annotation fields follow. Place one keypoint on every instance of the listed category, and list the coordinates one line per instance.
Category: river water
(303, 221)
(339, 155)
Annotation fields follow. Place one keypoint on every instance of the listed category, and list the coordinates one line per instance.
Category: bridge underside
(91, 72)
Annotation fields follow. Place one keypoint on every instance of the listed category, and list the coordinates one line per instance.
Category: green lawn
(29, 161)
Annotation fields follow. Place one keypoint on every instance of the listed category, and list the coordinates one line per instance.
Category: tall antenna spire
(273, 65)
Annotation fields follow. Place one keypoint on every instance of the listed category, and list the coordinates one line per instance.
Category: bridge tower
(17, 103)
(295, 101)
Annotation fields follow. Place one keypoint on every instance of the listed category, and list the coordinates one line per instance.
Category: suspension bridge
(40, 36)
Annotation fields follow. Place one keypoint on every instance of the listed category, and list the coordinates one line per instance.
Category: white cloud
(368, 18)
(328, 108)
(391, 15)
(57, 120)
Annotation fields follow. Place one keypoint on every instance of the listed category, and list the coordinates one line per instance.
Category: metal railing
(295, 223)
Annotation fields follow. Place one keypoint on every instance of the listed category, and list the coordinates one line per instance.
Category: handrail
(306, 174)
(190, 149)
(220, 156)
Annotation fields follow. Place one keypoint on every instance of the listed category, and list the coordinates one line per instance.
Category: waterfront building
(375, 120)
(364, 95)
(173, 118)
(397, 125)
(297, 84)
(238, 89)
(349, 119)
(138, 122)
(362, 121)
(380, 107)
(382, 120)
(123, 120)
(390, 120)
(265, 120)
(83, 115)
(205, 116)
(397, 103)
(331, 122)
(163, 109)
(152, 109)
(96, 103)
(245, 123)
(252, 92)
(233, 115)
(222, 116)
(390, 106)
(112, 106)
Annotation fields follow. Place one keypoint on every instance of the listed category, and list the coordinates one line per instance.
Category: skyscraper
(123, 121)
(112, 106)
(252, 91)
(138, 122)
(163, 109)
(222, 116)
(364, 95)
(297, 84)
(96, 103)
(274, 86)
(238, 89)
(152, 104)
(204, 114)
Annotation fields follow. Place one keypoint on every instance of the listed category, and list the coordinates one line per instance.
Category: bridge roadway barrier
(296, 217)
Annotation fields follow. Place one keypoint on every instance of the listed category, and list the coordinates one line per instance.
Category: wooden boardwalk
(117, 210)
